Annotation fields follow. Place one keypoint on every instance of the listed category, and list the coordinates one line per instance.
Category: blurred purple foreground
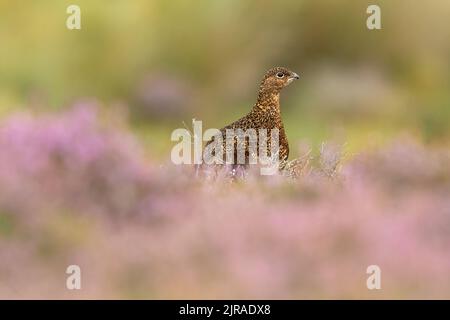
(76, 191)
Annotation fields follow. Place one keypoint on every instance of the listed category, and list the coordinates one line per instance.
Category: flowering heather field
(76, 191)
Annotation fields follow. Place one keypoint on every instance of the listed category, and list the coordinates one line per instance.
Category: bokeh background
(85, 175)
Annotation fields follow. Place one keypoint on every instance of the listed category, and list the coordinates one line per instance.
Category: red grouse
(266, 113)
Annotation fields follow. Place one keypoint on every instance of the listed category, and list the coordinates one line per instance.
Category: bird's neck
(268, 101)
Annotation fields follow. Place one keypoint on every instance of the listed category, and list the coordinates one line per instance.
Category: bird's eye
(280, 75)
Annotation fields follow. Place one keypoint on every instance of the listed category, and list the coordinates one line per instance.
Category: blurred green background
(162, 63)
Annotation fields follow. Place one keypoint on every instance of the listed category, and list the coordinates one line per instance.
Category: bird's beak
(295, 76)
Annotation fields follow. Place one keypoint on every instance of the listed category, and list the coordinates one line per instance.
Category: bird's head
(277, 78)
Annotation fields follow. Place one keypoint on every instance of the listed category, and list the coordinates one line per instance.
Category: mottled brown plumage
(266, 113)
